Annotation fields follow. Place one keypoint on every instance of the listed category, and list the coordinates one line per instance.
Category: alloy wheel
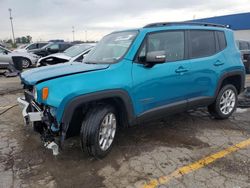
(25, 63)
(227, 102)
(107, 131)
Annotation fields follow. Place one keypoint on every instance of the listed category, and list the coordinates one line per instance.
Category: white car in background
(31, 46)
(6, 57)
(74, 53)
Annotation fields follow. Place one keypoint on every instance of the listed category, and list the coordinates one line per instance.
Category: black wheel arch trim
(229, 74)
(100, 95)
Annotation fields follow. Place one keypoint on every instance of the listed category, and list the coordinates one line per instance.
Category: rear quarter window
(221, 40)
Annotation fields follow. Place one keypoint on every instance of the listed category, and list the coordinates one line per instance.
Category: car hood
(57, 55)
(33, 76)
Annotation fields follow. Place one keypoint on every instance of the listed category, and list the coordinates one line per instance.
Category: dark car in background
(51, 48)
(244, 47)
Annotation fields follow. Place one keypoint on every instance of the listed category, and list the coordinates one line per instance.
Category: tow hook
(53, 146)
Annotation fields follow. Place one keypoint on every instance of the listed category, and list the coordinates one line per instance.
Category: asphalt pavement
(186, 150)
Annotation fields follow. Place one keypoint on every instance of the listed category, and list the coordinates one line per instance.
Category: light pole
(73, 32)
(12, 28)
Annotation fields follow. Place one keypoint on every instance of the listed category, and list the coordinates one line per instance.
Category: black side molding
(162, 111)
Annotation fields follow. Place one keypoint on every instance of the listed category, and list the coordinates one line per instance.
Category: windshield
(3, 50)
(111, 48)
(76, 50)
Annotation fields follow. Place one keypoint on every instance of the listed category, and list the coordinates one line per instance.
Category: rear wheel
(225, 103)
(98, 131)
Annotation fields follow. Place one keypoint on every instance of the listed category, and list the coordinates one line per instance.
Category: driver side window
(32, 47)
(172, 42)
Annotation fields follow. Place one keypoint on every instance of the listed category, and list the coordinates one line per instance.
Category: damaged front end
(41, 118)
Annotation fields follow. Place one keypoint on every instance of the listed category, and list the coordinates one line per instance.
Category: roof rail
(162, 24)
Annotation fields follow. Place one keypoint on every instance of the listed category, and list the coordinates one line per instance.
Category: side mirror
(155, 57)
(6, 52)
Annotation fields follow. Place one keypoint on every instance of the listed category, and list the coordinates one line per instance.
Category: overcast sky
(50, 19)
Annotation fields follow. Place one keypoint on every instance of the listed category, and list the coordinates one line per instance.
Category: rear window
(202, 43)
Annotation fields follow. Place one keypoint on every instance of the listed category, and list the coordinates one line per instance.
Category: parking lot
(163, 152)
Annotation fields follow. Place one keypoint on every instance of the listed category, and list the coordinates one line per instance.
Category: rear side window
(221, 40)
(202, 43)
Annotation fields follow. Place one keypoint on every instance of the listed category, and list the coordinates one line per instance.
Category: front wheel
(26, 63)
(225, 103)
(98, 130)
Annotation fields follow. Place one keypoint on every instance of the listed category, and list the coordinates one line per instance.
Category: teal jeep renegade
(134, 76)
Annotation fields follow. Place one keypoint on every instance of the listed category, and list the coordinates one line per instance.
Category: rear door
(205, 63)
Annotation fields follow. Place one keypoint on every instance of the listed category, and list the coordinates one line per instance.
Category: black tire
(248, 65)
(91, 125)
(214, 109)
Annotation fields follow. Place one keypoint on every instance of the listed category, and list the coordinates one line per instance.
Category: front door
(162, 84)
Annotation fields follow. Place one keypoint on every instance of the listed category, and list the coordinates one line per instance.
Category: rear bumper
(28, 116)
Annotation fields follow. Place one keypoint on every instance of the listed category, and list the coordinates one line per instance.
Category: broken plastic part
(53, 146)
(54, 128)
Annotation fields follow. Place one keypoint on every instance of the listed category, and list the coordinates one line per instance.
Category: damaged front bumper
(40, 119)
(29, 117)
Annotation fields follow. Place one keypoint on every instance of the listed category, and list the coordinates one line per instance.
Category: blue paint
(54, 128)
(160, 84)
